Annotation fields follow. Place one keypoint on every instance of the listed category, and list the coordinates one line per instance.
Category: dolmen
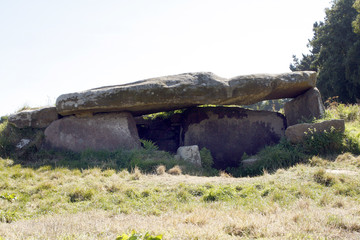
(112, 117)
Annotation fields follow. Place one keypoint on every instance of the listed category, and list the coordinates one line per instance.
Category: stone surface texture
(229, 132)
(110, 132)
(296, 133)
(185, 90)
(190, 154)
(306, 106)
(38, 118)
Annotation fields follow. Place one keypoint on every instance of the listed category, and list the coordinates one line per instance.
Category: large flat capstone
(185, 90)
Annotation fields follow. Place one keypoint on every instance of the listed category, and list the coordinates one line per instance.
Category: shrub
(271, 158)
(206, 158)
(323, 142)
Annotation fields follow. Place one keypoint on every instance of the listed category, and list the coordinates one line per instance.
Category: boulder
(229, 132)
(190, 154)
(110, 132)
(185, 90)
(38, 118)
(306, 106)
(296, 133)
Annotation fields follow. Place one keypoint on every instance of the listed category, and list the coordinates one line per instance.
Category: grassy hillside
(320, 199)
(295, 194)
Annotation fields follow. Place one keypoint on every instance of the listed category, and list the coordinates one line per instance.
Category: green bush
(271, 158)
(326, 142)
(220, 193)
(206, 158)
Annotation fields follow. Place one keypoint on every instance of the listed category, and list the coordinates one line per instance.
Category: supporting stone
(304, 107)
(229, 132)
(110, 132)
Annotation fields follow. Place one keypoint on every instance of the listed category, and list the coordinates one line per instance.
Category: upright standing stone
(110, 132)
(229, 132)
(306, 106)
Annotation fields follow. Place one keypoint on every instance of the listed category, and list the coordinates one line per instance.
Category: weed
(9, 197)
(138, 236)
(135, 174)
(324, 178)
(8, 216)
(323, 142)
(221, 193)
(317, 161)
(206, 158)
(225, 174)
(81, 194)
(176, 170)
(160, 170)
(271, 158)
(240, 231)
(149, 145)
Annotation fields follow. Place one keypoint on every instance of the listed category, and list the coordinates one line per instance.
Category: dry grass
(303, 202)
(176, 170)
(160, 170)
(135, 174)
(303, 221)
(225, 174)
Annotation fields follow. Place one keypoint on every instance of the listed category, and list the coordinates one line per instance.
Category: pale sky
(49, 47)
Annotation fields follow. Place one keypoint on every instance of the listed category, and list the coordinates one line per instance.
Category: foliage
(10, 136)
(356, 22)
(324, 178)
(138, 236)
(335, 53)
(9, 197)
(149, 145)
(207, 160)
(271, 158)
(323, 142)
(3, 119)
(163, 115)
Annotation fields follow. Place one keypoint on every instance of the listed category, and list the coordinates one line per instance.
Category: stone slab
(109, 132)
(185, 90)
(304, 107)
(229, 132)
